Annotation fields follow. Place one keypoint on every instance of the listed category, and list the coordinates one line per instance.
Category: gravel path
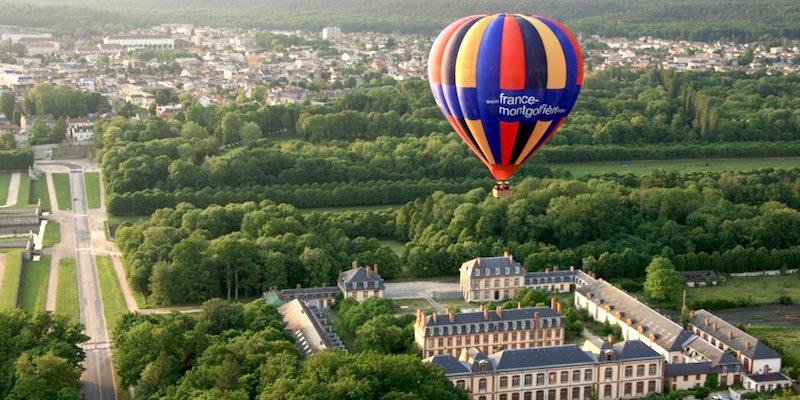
(13, 189)
(2, 268)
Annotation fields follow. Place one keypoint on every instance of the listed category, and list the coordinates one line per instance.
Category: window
(640, 370)
(628, 371)
(540, 395)
(483, 366)
(607, 391)
(609, 373)
(551, 378)
(628, 388)
(515, 381)
(564, 377)
(551, 394)
(576, 393)
(486, 283)
(651, 370)
(497, 283)
(503, 397)
(576, 376)
(587, 392)
(564, 393)
(527, 396)
(460, 384)
(514, 396)
(505, 337)
(539, 379)
(486, 295)
(503, 382)
(587, 375)
(528, 380)
(697, 377)
(639, 387)
(468, 340)
(441, 342)
(685, 378)
(482, 384)
(651, 386)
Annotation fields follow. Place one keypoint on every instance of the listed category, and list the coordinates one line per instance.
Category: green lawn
(72, 152)
(787, 338)
(33, 290)
(113, 300)
(61, 183)
(38, 190)
(5, 181)
(641, 167)
(67, 293)
(24, 191)
(394, 245)
(8, 291)
(52, 234)
(377, 207)
(92, 189)
(761, 289)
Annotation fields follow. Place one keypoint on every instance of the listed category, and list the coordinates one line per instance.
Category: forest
(704, 20)
(389, 145)
(235, 351)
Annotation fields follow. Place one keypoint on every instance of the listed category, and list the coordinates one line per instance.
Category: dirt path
(2, 268)
(51, 190)
(52, 285)
(13, 189)
(130, 301)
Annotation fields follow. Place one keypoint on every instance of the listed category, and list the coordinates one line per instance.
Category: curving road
(98, 378)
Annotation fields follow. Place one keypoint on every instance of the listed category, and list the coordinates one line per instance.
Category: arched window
(482, 384)
(608, 373)
(607, 391)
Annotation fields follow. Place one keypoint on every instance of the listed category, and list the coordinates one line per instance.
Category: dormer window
(483, 366)
(486, 271)
(497, 271)
(516, 270)
(477, 272)
(508, 270)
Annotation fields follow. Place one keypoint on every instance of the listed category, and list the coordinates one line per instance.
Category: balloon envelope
(505, 82)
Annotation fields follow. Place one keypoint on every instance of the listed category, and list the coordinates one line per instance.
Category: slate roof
(449, 364)
(492, 266)
(310, 331)
(513, 318)
(668, 334)
(770, 377)
(542, 357)
(355, 278)
(757, 351)
(634, 349)
(314, 293)
(533, 278)
(717, 357)
(683, 369)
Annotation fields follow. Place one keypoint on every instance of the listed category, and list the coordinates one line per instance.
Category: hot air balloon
(505, 82)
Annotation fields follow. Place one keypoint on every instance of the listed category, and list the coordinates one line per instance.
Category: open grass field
(52, 234)
(787, 338)
(38, 190)
(378, 207)
(641, 167)
(113, 300)
(10, 286)
(92, 189)
(394, 245)
(5, 181)
(72, 152)
(67, 293)
(61, 183)
(33, 289)
(23, 195)
(760, 289)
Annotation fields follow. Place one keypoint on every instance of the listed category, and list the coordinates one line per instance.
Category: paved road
(98, 378)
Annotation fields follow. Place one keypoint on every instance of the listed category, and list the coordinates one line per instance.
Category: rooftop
(512, 314)
(492, 266)
(731, 335)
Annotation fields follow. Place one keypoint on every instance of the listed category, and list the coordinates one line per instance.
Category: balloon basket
(501, 190)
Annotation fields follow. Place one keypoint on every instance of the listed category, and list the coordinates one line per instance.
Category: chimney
(486, 314)
(571, 268)
(499, 311)
(481, 308)
(452, 317)
(730, 335)
(558, 308)
(479, 262)
(519, 304)
(355, 264)
(588, 295)
(747, 345)
(298, 287)
(447, 310)
(691, 314)
(506, 254)
(705, 322)
(610, 339)
(555, 268)
(553, 303)
(714, 325)
(547, 270)
(536, 320)
(434, 316)
(375, 268)
(368, 271)
(591, 274)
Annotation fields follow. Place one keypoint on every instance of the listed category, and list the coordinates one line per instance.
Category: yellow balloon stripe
(467, 60)
(476, 128)
(556, 63)
(538, 131)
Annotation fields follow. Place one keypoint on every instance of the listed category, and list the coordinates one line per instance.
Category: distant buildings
(331, 33)
(361, 283)
(141, 41)
(699, 278)
(309, 328)
(79, 129)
